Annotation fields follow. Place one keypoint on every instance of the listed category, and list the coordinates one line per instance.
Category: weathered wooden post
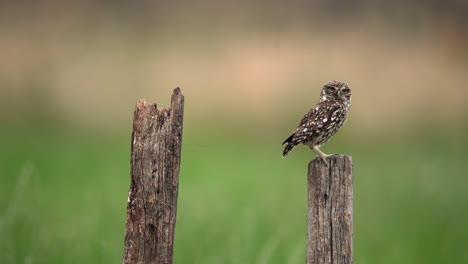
(330, 211)
(152, 199)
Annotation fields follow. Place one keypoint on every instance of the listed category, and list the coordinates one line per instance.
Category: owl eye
(331, 89)
(346, 90)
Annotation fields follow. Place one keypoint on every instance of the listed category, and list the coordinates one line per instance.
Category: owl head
(336, 91)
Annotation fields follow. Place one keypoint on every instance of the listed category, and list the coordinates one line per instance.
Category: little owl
(322, 121)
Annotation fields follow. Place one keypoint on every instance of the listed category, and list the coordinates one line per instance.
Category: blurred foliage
(71, 72)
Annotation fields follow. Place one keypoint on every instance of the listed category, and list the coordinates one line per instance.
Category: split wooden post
(330, 211)
(152, 199)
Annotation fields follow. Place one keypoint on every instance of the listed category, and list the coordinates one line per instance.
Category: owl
(322, 121)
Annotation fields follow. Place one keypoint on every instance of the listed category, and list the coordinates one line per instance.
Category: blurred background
(72, 71)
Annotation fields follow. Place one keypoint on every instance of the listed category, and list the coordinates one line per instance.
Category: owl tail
(290, 145)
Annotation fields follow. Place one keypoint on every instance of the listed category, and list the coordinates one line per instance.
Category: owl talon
(323, 157)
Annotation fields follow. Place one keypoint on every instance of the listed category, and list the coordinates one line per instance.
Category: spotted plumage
(322, 121)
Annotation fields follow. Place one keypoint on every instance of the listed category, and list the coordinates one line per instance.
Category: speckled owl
(322, 121)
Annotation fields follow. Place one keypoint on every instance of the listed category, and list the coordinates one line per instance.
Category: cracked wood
(330, 211)
(152, 199)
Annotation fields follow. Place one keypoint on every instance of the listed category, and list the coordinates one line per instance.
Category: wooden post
(152, 199)
(330, 211)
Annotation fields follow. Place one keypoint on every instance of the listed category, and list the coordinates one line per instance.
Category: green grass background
(64, 196)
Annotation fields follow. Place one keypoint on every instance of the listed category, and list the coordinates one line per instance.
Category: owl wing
(320, 115)
(315, 121)
(305, 130)
(312, 115)
(314, 125)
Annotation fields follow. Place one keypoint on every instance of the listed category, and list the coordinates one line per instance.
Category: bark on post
(330, 211)
(152, 199)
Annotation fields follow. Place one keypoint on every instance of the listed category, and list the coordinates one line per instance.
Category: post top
(332, 160)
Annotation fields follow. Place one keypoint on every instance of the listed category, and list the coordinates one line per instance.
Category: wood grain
(330, 211)
(155, 165)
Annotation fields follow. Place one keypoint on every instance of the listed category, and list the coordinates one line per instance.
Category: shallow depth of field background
(70, 74)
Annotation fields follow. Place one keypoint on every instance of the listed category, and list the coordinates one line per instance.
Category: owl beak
(341, 95)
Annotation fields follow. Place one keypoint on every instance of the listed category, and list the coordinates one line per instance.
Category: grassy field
(64, 199)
